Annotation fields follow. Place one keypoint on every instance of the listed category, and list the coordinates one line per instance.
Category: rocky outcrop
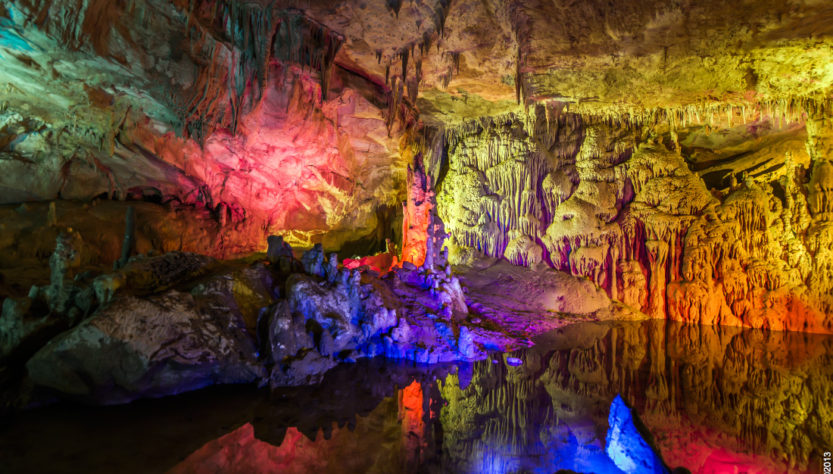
(143, 338)
(574, 145)
(654, 159)
(529, 302)
(28, 322)
(255, 126)
(176, 322)
(288, 115)
(332, 314)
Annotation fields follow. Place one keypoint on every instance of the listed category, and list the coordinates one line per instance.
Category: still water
(714, 400)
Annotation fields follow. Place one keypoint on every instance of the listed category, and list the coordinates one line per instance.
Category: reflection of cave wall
(768, 391)
(614, 202)
(369, 417)
(363, 417)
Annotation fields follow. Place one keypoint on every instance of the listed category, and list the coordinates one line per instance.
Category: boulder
(150, 347)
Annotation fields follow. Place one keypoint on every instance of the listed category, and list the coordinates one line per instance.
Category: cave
(416, 236)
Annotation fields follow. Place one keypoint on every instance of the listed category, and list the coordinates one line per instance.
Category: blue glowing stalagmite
(625, 445)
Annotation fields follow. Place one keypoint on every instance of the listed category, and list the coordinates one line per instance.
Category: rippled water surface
(713, 399)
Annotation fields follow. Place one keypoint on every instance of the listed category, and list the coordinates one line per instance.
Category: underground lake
(710, 399)
(440, 236)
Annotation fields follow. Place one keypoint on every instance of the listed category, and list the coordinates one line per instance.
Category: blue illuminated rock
(625, 445)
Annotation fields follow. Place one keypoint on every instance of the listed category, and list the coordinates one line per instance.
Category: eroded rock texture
(641, 158)
(627, 206)
(145, 348)
(166, 324)
(231, 108)
(288, 114)
(586, 137)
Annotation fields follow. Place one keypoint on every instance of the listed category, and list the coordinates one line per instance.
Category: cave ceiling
(469, 57)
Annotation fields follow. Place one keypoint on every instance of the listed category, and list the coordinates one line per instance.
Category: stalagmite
(305, 185)
(127, 246)
(634, 219)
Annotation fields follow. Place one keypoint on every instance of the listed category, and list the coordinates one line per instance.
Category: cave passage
(416, 235)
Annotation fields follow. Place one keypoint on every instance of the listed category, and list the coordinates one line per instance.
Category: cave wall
(625, 204)
(675, 155)
(231, 108)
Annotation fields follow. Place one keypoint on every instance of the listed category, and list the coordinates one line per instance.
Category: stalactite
(246, 38)
(518, 77)
(666, 234)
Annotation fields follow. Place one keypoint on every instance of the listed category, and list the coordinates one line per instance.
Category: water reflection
(715, 400)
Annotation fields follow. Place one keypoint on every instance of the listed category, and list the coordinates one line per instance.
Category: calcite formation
(212, 112)
(180, 321)
(429, 180)
(572, 137)
(622, 205)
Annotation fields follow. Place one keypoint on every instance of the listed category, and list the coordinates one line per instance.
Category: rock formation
(635, 217)
(625, 445)
(676, 156)
(176, 322)
(214, 191)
